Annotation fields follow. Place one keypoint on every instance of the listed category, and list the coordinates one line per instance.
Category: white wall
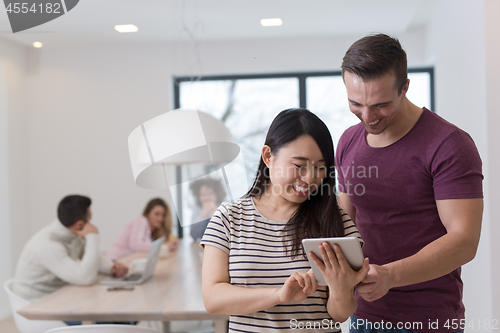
(83, 105)
(456, 45)
(4, 191)
(12, 78)
(492, 40)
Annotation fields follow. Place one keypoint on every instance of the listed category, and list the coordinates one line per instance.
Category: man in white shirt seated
(64, 252)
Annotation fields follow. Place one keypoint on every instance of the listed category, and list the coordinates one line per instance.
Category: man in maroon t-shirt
(412, 183)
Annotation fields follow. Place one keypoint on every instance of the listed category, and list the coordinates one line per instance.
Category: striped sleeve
(218, 230)
(350, 228)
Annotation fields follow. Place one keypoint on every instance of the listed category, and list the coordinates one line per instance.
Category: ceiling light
(37, 45)
(271, 22)
(126, 28)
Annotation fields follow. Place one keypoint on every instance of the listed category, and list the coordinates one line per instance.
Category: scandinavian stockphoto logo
(28, 14)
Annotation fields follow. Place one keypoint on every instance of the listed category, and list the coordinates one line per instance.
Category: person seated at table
(64, 252)
(155, 222)
(209, 193)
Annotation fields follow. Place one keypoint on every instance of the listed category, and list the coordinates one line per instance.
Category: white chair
(103, 329)
(24, 325)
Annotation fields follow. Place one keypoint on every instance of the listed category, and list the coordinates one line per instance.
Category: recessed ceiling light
(271, 22)
(126, 28)
(37, 45)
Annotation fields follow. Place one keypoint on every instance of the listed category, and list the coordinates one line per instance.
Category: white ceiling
(92, 21)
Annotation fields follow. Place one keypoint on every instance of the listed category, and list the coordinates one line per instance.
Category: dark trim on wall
(301, 76)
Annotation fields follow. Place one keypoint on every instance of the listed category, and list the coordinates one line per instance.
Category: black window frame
(301, 76)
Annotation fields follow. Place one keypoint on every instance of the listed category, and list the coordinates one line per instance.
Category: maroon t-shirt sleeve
(456, 168)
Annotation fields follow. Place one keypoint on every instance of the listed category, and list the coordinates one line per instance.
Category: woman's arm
(341, 280)
(220, 296)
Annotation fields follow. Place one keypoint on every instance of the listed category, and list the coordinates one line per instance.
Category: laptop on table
(141, 277)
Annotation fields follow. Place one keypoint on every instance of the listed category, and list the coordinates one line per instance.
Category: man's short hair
(73, 208)
(373, 56)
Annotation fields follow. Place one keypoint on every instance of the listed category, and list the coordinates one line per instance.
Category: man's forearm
(462, 219)
(438, 258)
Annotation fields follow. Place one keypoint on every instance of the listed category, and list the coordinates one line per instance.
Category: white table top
(174, 293)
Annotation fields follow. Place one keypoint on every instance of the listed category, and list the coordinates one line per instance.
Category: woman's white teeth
(301, 189)
(375, 122)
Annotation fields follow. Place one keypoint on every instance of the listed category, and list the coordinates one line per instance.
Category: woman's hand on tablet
(298, 287)
(339, 275)
(341, 280)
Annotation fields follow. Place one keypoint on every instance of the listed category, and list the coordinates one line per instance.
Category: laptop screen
(154, 254)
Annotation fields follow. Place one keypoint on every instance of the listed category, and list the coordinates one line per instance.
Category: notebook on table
(141, 277)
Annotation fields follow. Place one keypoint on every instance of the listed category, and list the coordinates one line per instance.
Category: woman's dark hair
(166, 226)
(319, 215)
(72, 209)
(373, 56)
(214, 184)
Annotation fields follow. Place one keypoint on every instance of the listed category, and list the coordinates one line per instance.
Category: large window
(248, 103)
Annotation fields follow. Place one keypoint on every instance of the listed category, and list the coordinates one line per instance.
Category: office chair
(25, 325)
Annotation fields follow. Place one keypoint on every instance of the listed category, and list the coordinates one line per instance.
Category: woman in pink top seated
(138, 235)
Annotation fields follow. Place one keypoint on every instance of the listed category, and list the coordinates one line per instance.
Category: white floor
(8, 326)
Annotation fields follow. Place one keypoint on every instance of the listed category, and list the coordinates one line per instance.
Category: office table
(173, 293)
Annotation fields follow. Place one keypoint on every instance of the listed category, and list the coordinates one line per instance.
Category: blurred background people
(155, 222)
(64, 252)
(209, 193)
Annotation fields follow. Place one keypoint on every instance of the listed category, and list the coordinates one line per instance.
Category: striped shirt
(257, 259)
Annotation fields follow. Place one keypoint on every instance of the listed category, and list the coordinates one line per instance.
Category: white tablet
(350, 246)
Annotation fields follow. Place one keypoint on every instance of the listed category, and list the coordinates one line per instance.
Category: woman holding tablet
(254, 266)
